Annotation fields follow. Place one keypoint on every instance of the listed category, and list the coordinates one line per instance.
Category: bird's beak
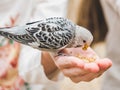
(85, 46)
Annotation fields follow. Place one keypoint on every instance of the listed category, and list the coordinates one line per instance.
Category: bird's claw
(62, 54)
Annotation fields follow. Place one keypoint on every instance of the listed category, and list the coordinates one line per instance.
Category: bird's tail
(18, 30)
(5, 32)
(14, 33)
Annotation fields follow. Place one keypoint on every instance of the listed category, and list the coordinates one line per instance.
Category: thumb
(66, 51)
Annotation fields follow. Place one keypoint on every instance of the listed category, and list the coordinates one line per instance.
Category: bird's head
(83, 38)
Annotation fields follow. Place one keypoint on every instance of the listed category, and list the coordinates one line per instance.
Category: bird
(51, 34)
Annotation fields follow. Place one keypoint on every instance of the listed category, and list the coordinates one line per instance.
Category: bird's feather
(48, 34)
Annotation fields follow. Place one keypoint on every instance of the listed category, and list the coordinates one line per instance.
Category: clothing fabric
(112, 14)
(19, 12)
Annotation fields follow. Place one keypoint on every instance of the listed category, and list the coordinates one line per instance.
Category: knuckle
(88, 80)
(66, 73)
(75, 80)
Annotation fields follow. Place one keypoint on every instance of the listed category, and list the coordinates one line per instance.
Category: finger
(86, 78)
(96, 75)
(65, 50)
(73, 72)
(104, 64)
(68, 62)
(99, 74)
(91, 67)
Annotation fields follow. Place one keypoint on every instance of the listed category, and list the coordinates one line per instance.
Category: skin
(47, 61)
(71, 66)
(74, 68)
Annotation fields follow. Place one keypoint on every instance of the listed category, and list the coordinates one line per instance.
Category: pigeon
(50, 34)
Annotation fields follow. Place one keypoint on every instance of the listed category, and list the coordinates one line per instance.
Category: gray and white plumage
(50, 34)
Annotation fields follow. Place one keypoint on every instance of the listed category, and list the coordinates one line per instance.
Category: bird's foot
(62, 54)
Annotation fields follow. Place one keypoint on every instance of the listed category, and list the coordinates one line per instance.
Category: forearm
(49, 66)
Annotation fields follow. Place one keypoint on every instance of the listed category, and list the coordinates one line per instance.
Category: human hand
(78, 70)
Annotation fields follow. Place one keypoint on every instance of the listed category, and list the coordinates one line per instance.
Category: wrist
(49, 66)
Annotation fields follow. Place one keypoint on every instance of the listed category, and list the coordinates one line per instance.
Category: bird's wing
(49, 35)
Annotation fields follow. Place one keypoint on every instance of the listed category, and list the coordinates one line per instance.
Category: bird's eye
(84, 41)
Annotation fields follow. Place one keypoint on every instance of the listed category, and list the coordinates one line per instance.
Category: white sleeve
(30, 68)
(115, 5)
(49, 8)
(29, 65)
